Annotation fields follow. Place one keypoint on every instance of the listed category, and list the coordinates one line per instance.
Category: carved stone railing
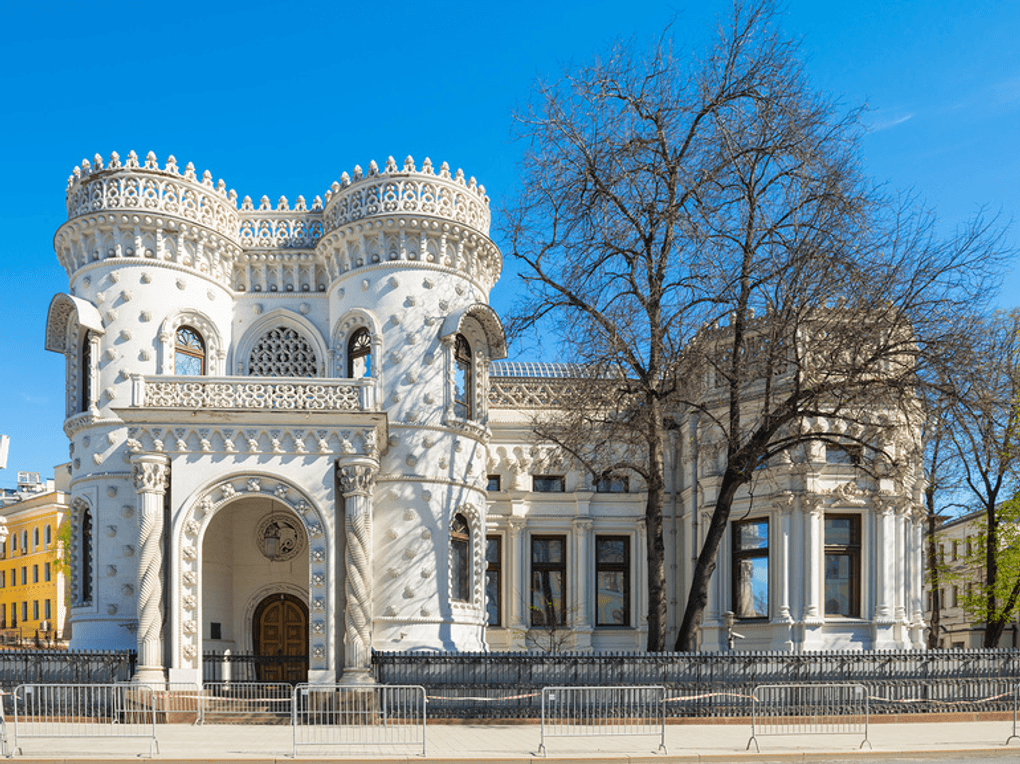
(530, 393)
(146, 188)
(396, 189)
(253, 393)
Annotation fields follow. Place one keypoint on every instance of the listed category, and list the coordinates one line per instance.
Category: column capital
(516, 525)
(151, 472)
(356, 476)
(583, 524)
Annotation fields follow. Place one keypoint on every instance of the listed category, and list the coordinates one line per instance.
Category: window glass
(493, 483)
(842, 565)
(612, 580)
(548, 580)
(189, 353)
(548, 483)
(462, 378)
(612, 484)
(751, 568)
(86, 371)
(459, 552)
(493, 574)
(48, 535)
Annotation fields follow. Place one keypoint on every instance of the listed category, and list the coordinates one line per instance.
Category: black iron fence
(247, 667)
(509, 685)
(65, 667)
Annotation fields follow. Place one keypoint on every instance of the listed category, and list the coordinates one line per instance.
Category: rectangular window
(548, 580)
(35, 574)
(493, 483)
(942, 554)
(49, 613)
(493, 578)
(956, 596)
(24, 575)
(215, 630)
(3, 615)
(970, 545)
(845, 455)
(46, 571)
(751, 568)
(956, 550)
(612, 484)
(548, 484)
(24, 611)
(14, 543)
(35, 610)
(612, 580)
(3, 578)
(843, 565)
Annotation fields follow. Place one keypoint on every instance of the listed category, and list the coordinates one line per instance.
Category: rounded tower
(149, 252)
(410, 266)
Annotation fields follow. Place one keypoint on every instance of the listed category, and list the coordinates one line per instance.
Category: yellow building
(32, 585)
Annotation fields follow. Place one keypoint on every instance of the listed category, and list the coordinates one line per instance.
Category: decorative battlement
(178, 217)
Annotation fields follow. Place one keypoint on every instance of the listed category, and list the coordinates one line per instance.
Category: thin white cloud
(33, 400)
(888, 123)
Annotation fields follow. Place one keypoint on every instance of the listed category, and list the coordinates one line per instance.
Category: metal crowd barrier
(248, 699)
(3, 729)
(84, 711)
(358, 715)
(809, 709)
(1016, 702)
(592, 711)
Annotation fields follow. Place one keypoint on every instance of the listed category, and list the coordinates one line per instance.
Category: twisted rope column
(151, 475)
(356, 480)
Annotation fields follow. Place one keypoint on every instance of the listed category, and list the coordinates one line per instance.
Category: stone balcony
(261, 394)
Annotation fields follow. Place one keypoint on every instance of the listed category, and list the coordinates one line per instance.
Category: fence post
(1016, 701)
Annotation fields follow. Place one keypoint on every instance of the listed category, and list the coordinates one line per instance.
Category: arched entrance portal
(280, 630)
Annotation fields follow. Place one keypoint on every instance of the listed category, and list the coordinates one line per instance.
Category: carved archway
(187, 537)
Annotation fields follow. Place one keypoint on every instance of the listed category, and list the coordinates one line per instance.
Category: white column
(917, 527)
(151, 474)
(583, 575)
(814, 511)
(901, 559)
(517, 576)
(356, 479)
(884, 560)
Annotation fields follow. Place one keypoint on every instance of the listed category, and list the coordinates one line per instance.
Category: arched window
(282, 352)
(359, 355)
(35, 538)
(85, 553)
(86, 371)
(48, 535)
(189, 352)
(462, 388)
(460, 548)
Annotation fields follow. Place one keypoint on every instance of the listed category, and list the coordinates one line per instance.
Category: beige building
(32, 583)
(953, 546)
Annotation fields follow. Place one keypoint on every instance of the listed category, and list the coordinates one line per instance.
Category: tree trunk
(697, 599)
(993, 624)
(656, 548)
(933, 568)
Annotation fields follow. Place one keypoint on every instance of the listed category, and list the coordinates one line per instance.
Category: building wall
(20, 600)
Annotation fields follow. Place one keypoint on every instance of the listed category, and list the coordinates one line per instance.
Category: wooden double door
(280, 627)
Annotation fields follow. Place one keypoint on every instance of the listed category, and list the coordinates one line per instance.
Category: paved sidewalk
(961, 741)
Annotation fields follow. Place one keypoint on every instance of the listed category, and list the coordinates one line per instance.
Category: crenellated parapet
(404, 215)
(138, 210)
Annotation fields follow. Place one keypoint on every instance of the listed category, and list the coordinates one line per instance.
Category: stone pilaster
(356, 480)
(151, 474)
(583, 575)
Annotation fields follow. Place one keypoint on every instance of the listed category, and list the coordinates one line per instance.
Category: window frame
(85, 372)
(489, 480)
(609, 482)
(613, 567)
(358, 349)
(182, 348)
(852, 550)
(560, 614)
(494, 567)
(739, 555)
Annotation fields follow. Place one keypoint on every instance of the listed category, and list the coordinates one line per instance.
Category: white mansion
(288, 435)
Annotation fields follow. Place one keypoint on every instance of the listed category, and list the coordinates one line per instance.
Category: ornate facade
(297, 404)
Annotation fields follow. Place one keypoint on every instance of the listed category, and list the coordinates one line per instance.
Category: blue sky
(279, 99)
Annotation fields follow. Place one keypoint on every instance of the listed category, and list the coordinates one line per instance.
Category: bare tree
(986, 439)
(702, 238)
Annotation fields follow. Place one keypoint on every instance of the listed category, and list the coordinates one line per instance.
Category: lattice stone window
(282, 352)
